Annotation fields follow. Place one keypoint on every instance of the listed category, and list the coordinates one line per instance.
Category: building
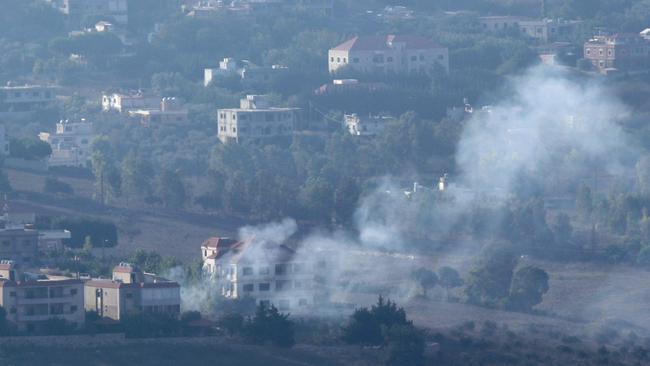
(248, 73)
(70, 143)
(622, 52)
(169, 112)
(80, 10)
(500, 23)
(131, 291)
(341, 86)
(30, 300)
(22, 101)
(547, 30)
(123, 103)
(52, 240)
(255, 119)
(270, 273)
(388, 54)
(366, 126)
(18, 243)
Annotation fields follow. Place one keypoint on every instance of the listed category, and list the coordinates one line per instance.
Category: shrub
(365, 325)
(269, 325)
(55, 186)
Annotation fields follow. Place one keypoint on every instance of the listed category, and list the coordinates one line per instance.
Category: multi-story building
(366, 126)
(19, 243)
(169, 112)
(254, 120)
(388, 54)
(19, 101)
(123, 103)
(80, 10)
(131, 290)
(31, 300)
(70, 144)
(623, 51)
(270, 273)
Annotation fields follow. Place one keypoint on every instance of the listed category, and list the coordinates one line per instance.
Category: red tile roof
(216, 242)
(386, 42)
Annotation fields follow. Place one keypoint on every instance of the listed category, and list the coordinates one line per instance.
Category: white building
(246, 71)
(544, 30)
(270, 273)
(70, 143)
(170, 111)
(123, 103)
(366, 126)
(18, 101)
(255, 119)
(389, 53)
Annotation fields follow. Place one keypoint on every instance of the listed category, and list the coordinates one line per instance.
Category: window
(129, 295)
(331, 59)
(73, 291)
(441, 57)
(280, 269)
(12, 310)
(297, 284)
(73, 309)
(282, 285)
(302, 302)
(389, 59)
(345, 60)
(298, 267)
(265, 270)
(588, 51)
(338, 59)
(247, 271)
(378, 58)
(264, 286)
(265, 303)
(249, 287)
(269, 117)
(414, 58)
(421, 57)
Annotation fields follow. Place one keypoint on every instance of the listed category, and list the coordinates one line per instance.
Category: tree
(137, 175)
(55, 186)
(449, 278)
(172, 190)
(425, 278)
(102, 160)
(404, 346)
(529, 285)
(233, 323)
(488, 283)
(365, 326)
(269, 325)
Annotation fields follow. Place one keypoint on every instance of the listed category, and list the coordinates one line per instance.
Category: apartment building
(23, 100)
(255, 119)
(357, 125)
(70, 143)
(80, 10)
(131, 290)
(246, 71)
(270, 273)
(547, 30)
(170, 111)
(622, 51)
(19, 243)
(30, 300)
(388, 54)
(123, 103)
(497, 23)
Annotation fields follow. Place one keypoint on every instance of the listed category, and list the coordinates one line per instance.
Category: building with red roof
(388, 53)
(618, 52)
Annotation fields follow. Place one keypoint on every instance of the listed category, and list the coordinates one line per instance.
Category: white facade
(366, 126)
(123, 103)
(255, 119)
(269, 273)
(388, 54)
(70, 143)
(23, 100)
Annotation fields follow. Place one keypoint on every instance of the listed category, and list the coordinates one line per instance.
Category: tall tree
(529, 285)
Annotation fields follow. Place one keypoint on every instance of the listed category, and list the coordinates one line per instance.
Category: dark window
(249, 287)
(73, 291)
(247, 271)
(264, 286)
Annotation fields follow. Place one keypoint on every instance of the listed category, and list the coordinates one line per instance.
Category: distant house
(32, 300)
(620, 52)
(338, 86)
(70, 143)
(544, 30)
(132, 291)
(255, 119)
(388, 53)
(270, 273)
(169, 112)
(123, 103)
(357, 125)
(22, 100)
(246, 71)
